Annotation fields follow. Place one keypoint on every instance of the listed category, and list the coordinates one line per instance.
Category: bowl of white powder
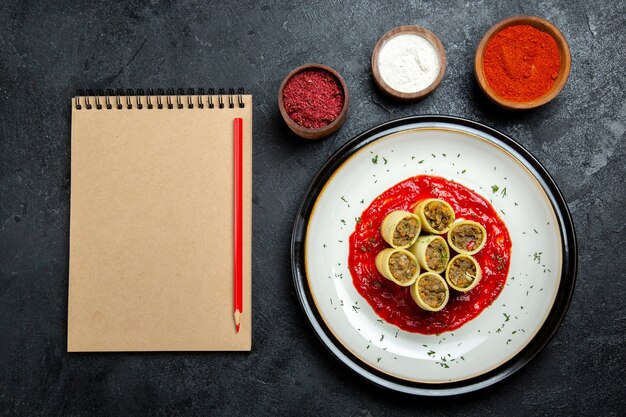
(408, 63)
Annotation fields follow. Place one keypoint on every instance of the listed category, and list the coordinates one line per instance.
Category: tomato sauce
(394, 303)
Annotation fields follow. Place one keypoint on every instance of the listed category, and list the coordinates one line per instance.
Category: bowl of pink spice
(313, 100)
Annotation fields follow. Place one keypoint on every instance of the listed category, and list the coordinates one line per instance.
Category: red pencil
(238, 267)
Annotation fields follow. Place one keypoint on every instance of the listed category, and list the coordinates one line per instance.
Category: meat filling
(467, 236)
(405, 231)
(402, 267)
(462, 272)
(438, 215)
(431, 291)
(436, 255)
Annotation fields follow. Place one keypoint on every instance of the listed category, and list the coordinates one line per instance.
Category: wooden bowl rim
(310, 133)
(410, 30)
(539, 24)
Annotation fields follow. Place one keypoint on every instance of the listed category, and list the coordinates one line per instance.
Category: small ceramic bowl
(408, 30)
(542, 25)
(321, 132)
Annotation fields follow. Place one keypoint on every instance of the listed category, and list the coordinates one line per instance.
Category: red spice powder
(313, 98)
(521, 63)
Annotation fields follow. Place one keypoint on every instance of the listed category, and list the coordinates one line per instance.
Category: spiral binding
(134, 98)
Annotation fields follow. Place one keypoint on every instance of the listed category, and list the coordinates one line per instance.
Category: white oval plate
(472, 158)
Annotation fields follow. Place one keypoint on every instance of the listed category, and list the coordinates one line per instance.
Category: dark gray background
(47, 51)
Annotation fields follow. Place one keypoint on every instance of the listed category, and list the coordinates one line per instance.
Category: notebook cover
(151, 229)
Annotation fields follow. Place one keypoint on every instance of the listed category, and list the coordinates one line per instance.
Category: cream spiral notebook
(151, 221)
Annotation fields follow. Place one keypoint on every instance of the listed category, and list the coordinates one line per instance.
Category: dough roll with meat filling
(463, 273)
(400, 229)
(430, 292)
(398, 266)
(467, 237)
(436, 215)
(432, 253)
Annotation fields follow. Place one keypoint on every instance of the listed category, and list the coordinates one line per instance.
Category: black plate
(543, 336)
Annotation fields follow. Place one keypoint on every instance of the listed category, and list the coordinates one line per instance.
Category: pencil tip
(237, 319)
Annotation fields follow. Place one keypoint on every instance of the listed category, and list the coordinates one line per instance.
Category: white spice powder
(408, 63)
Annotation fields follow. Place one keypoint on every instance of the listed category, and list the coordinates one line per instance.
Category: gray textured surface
(48, 51)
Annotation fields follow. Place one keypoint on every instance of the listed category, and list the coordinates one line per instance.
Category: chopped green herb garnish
(431, 353)
(494, 188)
(375, 159)
(420, 162)
(385, 160)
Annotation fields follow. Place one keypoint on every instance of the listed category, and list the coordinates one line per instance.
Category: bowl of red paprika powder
(522, 62)
(313, 100)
